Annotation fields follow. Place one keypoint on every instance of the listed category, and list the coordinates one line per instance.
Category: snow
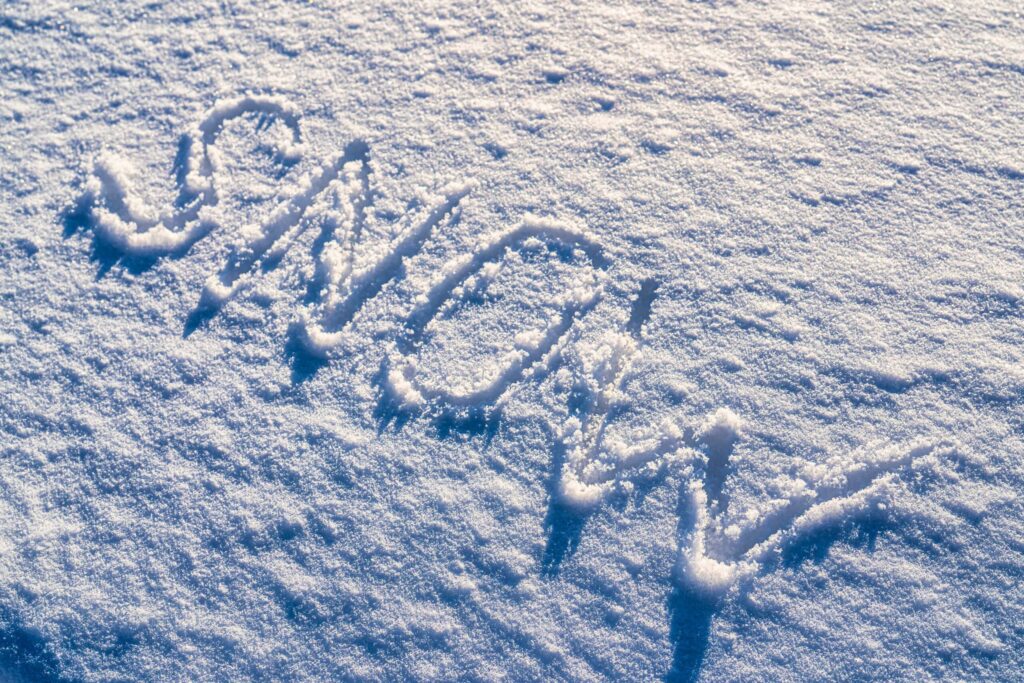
(600, 342)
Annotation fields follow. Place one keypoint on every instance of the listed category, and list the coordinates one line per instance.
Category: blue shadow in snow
(862, 531)
(690, 613)
(389, 411)
(564, 525)
(24, 653)
(77, 219)
(690, 617)
(475, 421)
(199, 317)
(304, 364)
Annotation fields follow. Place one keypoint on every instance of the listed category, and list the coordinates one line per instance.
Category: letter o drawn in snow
(403, 380)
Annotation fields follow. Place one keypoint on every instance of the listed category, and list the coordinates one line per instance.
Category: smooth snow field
(511, 341)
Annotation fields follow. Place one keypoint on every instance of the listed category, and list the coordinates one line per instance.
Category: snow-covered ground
(554, 341)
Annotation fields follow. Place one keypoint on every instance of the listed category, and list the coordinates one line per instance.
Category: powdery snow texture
(350, 342)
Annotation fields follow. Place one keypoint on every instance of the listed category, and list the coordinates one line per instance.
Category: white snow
(401, 341)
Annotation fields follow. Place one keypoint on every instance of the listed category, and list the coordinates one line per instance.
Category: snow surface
(530, 342)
